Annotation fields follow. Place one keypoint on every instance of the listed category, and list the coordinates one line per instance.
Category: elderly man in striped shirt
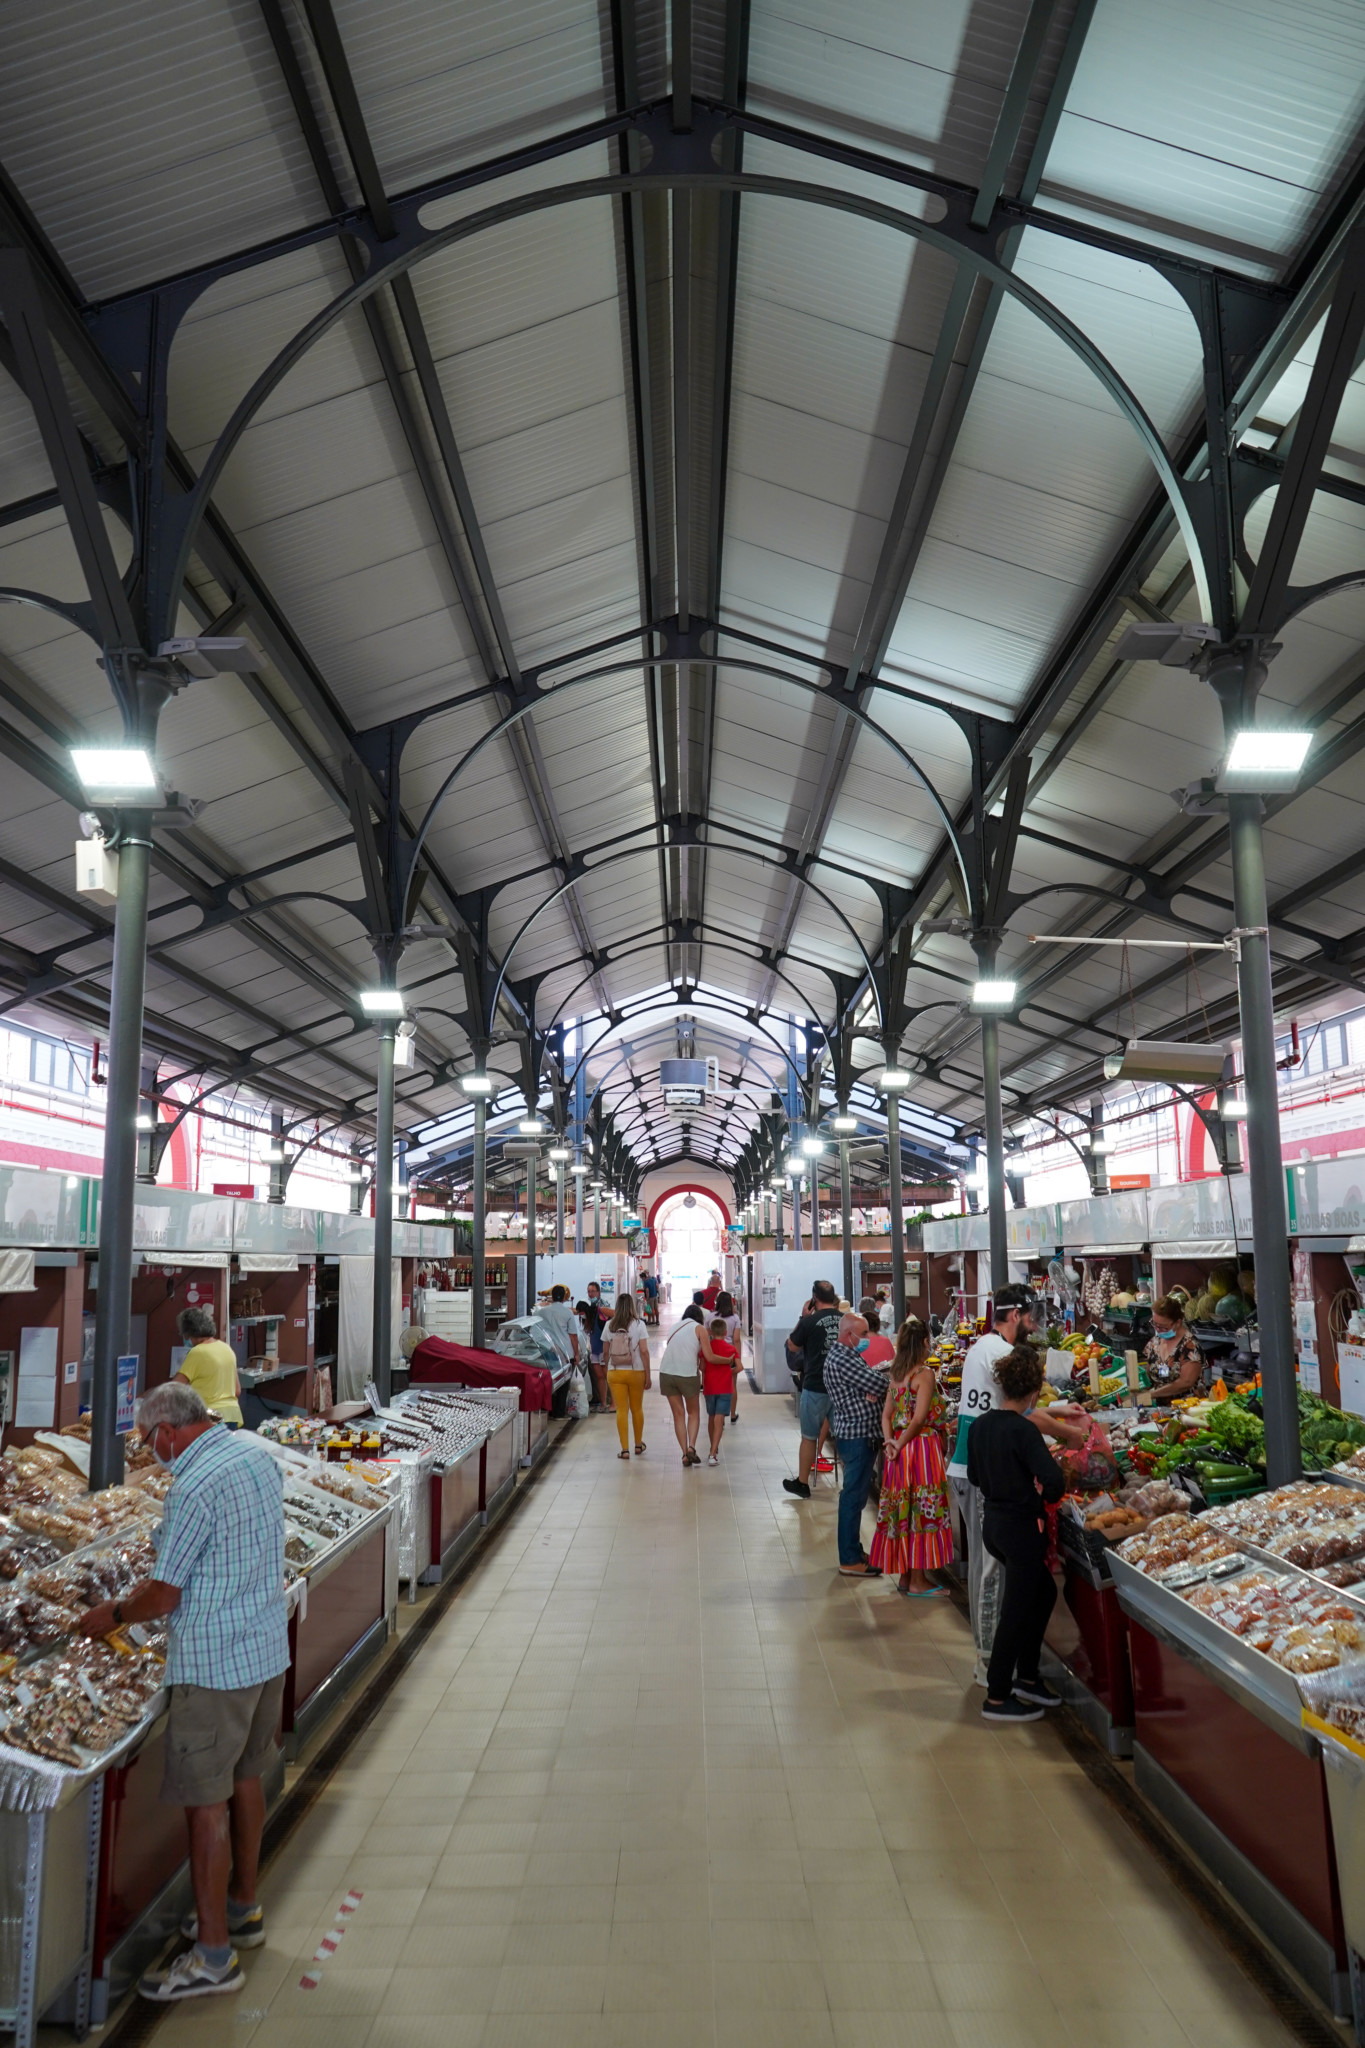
(220, 1580)
(856, 1396)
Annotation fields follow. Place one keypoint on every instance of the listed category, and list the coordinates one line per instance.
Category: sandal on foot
(623, 1454)
(638, 1449)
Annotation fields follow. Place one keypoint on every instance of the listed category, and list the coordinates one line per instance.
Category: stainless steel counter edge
(344, 1545)
(1263, 1687)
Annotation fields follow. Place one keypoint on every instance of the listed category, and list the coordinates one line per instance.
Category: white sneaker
(713, 1459)
(189, 1976)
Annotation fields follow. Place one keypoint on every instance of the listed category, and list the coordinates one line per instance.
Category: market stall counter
(1086, 1652)
(1230, 1614)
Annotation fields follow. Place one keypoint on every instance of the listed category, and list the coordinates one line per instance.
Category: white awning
(1197, 1248)
(269, 1262)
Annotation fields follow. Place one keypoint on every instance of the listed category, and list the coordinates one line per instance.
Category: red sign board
(244, 1190)
(1129, 1180)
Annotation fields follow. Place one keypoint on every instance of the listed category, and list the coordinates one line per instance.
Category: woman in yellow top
(210, 1367)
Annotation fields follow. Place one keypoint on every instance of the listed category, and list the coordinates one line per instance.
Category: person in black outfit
(811, 1338)
(1007, 1460)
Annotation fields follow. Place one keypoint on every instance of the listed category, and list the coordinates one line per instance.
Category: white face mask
(167, 1464)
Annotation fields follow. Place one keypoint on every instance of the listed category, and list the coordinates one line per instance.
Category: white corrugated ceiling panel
(150, 136)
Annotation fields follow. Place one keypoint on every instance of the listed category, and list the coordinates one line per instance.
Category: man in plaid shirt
(856, 1398)
(220, 1580)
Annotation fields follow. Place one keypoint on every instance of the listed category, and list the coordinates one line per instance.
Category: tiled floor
(661, 1778)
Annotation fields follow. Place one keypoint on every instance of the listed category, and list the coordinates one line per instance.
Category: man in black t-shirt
(812, 1337)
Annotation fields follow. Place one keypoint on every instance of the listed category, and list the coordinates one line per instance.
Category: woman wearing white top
(680, 1378)
(625, 1353)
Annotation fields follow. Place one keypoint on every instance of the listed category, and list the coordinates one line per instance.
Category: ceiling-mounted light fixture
(531, 1127)
(812, 1147)
(993, 995)
(843, 1123)
(1234, 1108)
(383, 1002)
(273, 1155)
(560, 1154)
(477, 1084)
(113, 771)
(892, 1080)
(146, 1123)
(1257, 757)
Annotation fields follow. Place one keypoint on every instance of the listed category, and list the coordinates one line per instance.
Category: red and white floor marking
(331, 1941)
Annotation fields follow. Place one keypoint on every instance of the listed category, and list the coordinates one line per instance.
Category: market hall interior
(660, 1777)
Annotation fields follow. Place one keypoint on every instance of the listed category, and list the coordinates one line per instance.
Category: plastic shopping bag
(577, 1406)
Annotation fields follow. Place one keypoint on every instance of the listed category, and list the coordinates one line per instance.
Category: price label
(24, 1694)
(95, 1698)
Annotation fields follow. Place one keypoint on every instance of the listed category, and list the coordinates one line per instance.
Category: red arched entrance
(682, 1187)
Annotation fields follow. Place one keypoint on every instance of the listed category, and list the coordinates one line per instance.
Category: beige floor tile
(458, 1987)
(1010, 1986)
(671, 1984)
(313, 2030)
(733, 1901)
(565, 1903)
(447, 1906)
(452, 1944)
(527, 2030)
(527, 1986)
(857, 2029)
(765, 1987)
(664, 2030)
(426, 2030)
(740, 2027)
(341, 1992)
(772, 1941)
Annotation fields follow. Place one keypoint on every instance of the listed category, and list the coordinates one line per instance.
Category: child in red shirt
(717, 1384)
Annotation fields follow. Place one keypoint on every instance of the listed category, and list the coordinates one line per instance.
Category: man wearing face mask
(220, 1582)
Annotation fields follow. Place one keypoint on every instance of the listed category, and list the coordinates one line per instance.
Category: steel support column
(1265, 1168)
(798, 1243)
(815, 1205)
(530, 1236)
(382, 1340)
(559, 1208)
(114, 1299)
(779, 1244)
(479, 1270)
(597, 1220)
(893, 1150)
(846, 1214)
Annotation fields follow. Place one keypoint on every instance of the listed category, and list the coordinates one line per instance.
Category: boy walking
(717, 1384)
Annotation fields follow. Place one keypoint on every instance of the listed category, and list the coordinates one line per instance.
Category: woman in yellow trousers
(625, 1353)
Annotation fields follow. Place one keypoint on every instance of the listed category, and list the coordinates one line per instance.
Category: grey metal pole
(1265, 1166)
(1099, 1173)
(478, 1264)
(797, 1234)
(995, 1150)
(578, 1212)
(559, 1207)
(815, 1205)
(382, 1359)
(530, 1236)
(597, 1219)
(113, 1302)
(846, 1214)
(893, 1149)
(778, 1242)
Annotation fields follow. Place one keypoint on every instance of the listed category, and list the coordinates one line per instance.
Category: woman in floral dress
(914, 1535)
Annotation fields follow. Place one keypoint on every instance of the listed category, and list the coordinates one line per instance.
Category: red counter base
(1249, 1802)
(1086, 1658)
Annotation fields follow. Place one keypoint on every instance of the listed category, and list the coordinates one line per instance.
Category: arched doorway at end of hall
(688, 1226)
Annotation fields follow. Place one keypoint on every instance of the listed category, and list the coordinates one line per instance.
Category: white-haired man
(220, 1584)
(856, 1397)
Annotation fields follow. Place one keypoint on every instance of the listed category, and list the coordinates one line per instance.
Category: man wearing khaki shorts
(220, 1580)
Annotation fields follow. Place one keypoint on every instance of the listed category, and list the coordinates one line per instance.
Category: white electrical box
(96, 871)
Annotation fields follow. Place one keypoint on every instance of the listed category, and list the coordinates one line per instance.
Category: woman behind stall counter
(209, 1366)
(1174, 1361)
